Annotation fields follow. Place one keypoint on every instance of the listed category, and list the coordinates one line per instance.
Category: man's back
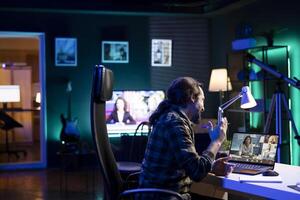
(170, 152)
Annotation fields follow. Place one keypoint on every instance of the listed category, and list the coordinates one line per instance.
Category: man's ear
(193, 99)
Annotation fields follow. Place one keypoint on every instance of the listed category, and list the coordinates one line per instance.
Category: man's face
(198, 107)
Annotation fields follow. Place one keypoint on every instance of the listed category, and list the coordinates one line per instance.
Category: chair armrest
(150, 190)
(132, 180)
(132, 175)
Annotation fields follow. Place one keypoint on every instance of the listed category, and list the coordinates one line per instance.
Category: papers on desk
(261, 179)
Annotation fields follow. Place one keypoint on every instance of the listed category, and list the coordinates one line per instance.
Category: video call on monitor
(256, 148)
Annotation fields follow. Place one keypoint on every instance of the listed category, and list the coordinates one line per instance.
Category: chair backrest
(138, 143)
(101, 92)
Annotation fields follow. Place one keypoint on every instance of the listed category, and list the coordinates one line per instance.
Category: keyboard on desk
(245, 168)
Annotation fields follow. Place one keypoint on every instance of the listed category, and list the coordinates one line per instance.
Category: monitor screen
(127, 109)
(252, 147)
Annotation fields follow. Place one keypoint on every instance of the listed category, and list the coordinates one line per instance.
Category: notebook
(260, 179)
(253, 153)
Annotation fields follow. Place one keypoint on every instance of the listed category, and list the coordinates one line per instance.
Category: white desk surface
(289, 174)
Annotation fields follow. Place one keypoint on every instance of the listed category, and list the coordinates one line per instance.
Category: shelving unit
(263, 85)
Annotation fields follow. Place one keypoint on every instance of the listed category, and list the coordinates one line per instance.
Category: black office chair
(134, 147)
(114, 186)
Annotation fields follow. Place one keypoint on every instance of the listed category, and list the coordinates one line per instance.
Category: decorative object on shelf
(243, 44)
(247, 101)
(115, 52)
(161, 52)
(249, 75)
(219, 82)
(65, 51)
(9, 93)
(244, 37)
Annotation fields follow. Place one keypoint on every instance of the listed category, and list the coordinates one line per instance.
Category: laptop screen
(254, 148)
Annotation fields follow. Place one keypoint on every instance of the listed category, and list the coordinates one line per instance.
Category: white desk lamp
(247, 101)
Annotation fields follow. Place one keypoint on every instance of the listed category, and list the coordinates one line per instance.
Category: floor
(50, 184)
(55, 184)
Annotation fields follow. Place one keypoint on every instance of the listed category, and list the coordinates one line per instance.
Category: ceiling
(123, 6)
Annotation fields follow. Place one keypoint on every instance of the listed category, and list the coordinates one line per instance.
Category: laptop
(253, 153)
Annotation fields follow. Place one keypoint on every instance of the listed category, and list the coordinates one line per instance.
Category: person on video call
(269, 148)
(120, 113)
(246, 148)
(171, 161)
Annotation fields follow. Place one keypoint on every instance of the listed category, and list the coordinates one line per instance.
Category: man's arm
(217, 135)
(181, 143)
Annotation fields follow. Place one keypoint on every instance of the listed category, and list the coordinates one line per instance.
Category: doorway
(22, 106)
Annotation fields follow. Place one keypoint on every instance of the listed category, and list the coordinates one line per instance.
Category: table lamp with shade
(219, 82)
(9, 94)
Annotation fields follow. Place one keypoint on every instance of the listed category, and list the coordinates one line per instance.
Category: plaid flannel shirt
(171, 161)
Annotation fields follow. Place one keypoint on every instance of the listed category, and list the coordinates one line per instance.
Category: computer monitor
(137, 106)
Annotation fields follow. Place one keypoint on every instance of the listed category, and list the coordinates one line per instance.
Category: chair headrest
(102, 84)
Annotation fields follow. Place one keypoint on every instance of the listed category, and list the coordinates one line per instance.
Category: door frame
(43, 117)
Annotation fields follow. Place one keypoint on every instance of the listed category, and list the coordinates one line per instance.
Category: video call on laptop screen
(254, 148)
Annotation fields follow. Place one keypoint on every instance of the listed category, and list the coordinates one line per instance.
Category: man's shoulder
(171, 118)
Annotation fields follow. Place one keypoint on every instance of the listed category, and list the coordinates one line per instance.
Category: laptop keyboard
(249, 166)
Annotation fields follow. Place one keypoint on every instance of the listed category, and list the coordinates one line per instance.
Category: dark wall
(190, 53)
(89, 30)
(190, 47)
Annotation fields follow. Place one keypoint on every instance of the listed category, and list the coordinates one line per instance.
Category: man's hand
(221, 167)
(218, 133)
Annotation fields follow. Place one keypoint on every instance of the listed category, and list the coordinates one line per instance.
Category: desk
(289, 174)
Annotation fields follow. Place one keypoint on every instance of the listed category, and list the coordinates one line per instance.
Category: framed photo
(65, 51)
(161, 51)
(115, 52)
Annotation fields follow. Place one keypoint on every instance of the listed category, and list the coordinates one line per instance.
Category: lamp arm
(226, 105)
(231, 101)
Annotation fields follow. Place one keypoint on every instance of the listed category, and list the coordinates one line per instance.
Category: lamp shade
(219, 80)
(10, 93)
(247, 100)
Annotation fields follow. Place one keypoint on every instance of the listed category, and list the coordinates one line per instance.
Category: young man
(171, 161)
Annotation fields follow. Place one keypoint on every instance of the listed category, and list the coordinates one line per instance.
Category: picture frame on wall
(65, 52)
(115, 52)
(161, 52)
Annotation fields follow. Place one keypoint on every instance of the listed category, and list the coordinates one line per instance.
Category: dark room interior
(50, 52)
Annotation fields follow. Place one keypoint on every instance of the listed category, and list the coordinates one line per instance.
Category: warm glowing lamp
(9, 93)
(219, 82)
